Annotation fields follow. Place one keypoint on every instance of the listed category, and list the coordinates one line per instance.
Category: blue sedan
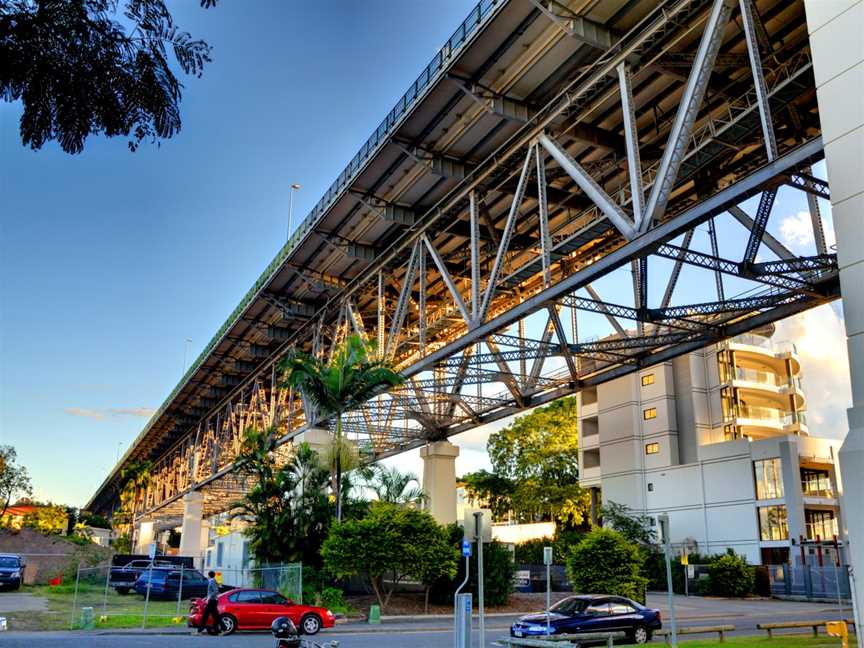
(592, 613)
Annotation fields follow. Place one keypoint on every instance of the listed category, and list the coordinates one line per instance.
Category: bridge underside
(553, 157)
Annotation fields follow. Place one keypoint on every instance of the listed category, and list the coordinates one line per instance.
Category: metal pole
(664, 528)
(478, 530)
(147, 595)
(294, 187)
(105, 594)
(75, 597)
(455, 604)
(548, 597)
(180, 589)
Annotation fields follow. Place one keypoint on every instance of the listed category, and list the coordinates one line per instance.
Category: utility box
(462, 622)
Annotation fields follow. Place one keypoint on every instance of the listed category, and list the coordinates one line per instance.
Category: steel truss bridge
(547, 145)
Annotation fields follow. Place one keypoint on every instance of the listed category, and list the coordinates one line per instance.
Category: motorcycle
(287, 636)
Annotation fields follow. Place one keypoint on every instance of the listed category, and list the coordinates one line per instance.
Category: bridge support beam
(439, 480)
(195, 530)
(318, 439)
(838, 63)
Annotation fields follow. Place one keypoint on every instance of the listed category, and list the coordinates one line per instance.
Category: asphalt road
(436, 632)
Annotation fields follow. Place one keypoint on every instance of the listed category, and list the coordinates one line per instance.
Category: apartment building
(719, 440)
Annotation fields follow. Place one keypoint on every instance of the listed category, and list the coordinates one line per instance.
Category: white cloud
(84, 413)
(819, 335)
(100, 414)
(796, 231)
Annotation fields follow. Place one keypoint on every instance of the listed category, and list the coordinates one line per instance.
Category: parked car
(11, 571)
(256, 609)
(166, 583)
(592, 613)
(122, 578)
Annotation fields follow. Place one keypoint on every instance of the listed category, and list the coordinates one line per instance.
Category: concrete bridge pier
(439, 480)
(145, 534)
(834, 27)
(195, 531)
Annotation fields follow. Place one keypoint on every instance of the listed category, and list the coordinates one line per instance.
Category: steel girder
(427, 316)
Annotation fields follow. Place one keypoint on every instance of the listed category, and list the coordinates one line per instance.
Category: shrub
(497, 573)
(606, 563)
(530, 552)
(729, 575)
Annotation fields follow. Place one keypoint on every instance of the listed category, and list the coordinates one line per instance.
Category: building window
(245, 556)
(647, 379)
(816, 483)
(769, 480)
(650, 413)
(772, 523)
(652, 448)
(821, 525)
(220, 552)
(650, 487)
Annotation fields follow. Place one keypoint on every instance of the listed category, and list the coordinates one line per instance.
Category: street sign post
(547, 560)
(664, 536)
(478, 533)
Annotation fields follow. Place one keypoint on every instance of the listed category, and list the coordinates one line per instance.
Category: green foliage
(498, 570)
(14, 479)
(80, 69)
(393, 486)
(634, 527)
(49, 519)
(606, 562)
(392, 543)
(729, 575)
(535, 462)
(353, 375)
(530, 552)
(122, 544)
(93, 520)
(288, 508)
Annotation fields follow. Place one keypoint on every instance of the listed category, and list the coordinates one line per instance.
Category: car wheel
(310, 624)
(227, 624)
(640, 635)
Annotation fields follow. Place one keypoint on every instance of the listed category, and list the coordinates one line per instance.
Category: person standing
(212, 606)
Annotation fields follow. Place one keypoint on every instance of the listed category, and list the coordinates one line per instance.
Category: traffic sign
(466, 548)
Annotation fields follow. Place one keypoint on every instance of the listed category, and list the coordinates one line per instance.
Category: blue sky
(109, 260)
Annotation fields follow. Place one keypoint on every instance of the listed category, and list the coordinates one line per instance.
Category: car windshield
(569, 606)
(7, 562)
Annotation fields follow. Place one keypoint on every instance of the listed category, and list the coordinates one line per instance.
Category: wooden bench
(791, 625)
(719, 629)
(562, 641)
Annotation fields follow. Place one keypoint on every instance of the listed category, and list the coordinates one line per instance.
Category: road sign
(466, 548)
(547, 555)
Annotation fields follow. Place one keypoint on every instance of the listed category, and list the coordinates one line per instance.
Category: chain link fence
(161, 596)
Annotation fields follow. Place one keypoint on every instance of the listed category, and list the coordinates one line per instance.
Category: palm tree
(395, 487)
(352, 376)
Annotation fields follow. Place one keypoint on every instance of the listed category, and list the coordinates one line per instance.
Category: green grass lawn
(119, 611)
(764, 642)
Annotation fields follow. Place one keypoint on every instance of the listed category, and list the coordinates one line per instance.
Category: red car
(255, 609)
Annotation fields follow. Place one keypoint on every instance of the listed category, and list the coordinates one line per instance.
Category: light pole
(186, 354)
(294, 187)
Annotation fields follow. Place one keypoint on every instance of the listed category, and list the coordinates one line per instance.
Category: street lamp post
(294, 187)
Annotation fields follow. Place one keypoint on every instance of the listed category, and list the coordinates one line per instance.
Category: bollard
(88, 618)
(374, 614)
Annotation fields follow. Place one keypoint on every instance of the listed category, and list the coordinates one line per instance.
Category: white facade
(689, 437)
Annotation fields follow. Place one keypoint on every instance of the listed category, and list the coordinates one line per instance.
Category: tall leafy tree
(287, 506)
(80, 68)
(395, 487)
(353, 375)
(14, 479)
(389, 545)
(535, 467)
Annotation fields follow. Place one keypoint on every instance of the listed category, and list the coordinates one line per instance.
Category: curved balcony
(769, 384)
(759, 421)
(765, 349)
